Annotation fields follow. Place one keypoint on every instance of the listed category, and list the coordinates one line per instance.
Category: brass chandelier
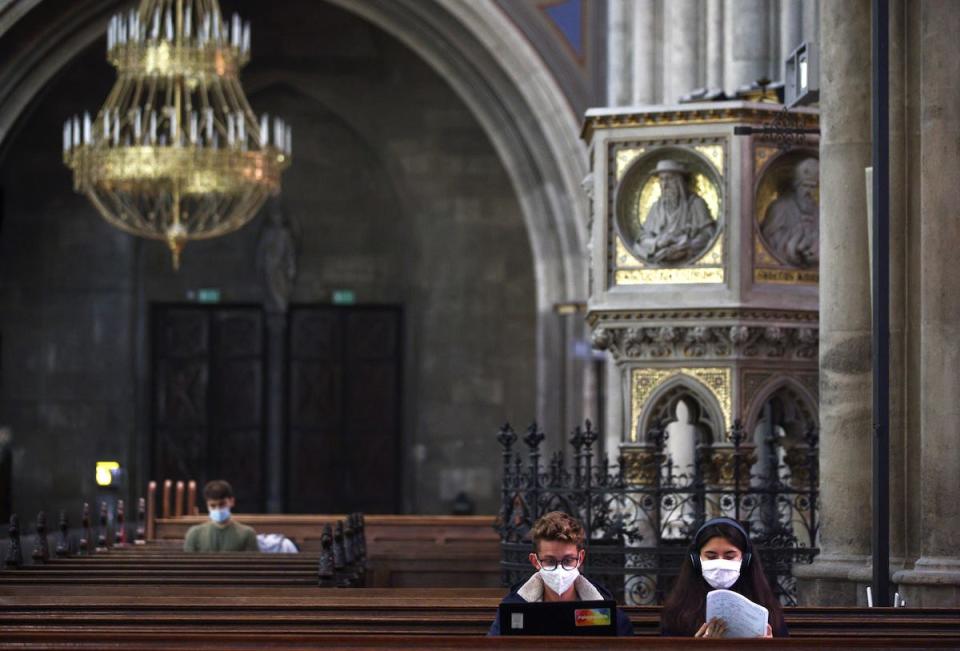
(175, 152)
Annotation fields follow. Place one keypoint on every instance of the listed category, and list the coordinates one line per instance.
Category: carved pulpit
(703, 284)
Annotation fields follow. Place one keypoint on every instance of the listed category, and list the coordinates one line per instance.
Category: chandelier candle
(178, 65)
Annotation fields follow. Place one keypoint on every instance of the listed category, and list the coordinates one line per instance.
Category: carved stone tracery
(704, 341)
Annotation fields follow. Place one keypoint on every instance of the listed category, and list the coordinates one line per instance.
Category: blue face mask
(220, 515)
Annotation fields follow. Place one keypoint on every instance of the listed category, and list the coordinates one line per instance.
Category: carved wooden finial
(339, 556)
(120, 532)
(360, 535)
(41, 549)
(326, 569)
(63, 545)
(349, 553)
(140, 536)
(84, 547)
(103, 544)
(14, 557)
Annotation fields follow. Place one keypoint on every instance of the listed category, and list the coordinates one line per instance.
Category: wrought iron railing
(640, 514)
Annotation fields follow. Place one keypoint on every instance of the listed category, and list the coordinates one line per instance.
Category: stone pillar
(845, 313)
(681, 49)
(646, 49)
(619, 52)
(617, 414)
(276, 381)
(811, 20)
(714, 43)
(935, 578)
(746, 42)
(791, 29)
(900, 311)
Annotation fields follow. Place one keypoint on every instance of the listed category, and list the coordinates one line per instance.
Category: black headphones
(695, 549)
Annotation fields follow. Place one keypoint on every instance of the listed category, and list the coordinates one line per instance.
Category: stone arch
(663, 401)
(488, 63)
(804, 400)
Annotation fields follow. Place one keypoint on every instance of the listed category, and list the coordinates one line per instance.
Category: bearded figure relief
(791, 226)
(678, 226)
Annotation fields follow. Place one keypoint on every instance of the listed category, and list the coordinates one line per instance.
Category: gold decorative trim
(194, 171)
(164, 59)
(761, 155)
(786, 277)
(685, 276)
(645, 381)
(716, 113)
(624, 158)
(714, 154)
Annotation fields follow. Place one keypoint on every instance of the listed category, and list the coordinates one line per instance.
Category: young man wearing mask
(222, 533)
(558, 555)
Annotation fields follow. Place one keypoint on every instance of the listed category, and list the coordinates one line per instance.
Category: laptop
(559, 618)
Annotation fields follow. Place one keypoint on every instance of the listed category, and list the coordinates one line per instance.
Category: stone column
(646, 49)
(901, 330)
(746, 42)
(617, 414)
(681, 49)
(791, 29)
(714, 43)
(811, 20)
(619, 52)
(276, 381)
(845, 313)
(935, 578)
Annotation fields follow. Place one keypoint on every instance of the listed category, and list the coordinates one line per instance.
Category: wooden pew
(402, 550)
(135, 639)
(380, 611)
(341, 563)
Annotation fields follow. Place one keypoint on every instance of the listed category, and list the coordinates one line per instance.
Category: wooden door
(343, 420)
(208, 407)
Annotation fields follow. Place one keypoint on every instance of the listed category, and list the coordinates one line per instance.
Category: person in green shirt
(222, 533)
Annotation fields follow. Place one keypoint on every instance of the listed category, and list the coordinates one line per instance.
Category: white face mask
(559, 580)
(720, 573)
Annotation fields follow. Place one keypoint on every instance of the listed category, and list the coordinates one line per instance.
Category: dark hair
(684, 610)
(217, 490)
(557, 526)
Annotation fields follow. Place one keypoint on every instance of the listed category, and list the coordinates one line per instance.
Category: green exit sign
(208, 295)
(344, 297)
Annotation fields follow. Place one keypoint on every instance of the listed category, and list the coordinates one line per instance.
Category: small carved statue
(791, 226)
(277, 258)
(678, 226)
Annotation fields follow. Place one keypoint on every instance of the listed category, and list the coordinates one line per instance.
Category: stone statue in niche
(277, 258)
(678, 225)
(791, 227)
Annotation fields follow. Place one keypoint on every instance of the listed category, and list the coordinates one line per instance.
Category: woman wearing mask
(721, 557)
(557, 557)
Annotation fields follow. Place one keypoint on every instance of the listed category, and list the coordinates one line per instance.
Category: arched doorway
(537, 179)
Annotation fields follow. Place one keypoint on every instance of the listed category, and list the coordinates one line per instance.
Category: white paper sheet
(743, 617)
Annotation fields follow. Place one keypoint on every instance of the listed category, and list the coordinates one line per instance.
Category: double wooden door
(340, 397)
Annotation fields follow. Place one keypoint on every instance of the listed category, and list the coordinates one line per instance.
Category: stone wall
(400, 197)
